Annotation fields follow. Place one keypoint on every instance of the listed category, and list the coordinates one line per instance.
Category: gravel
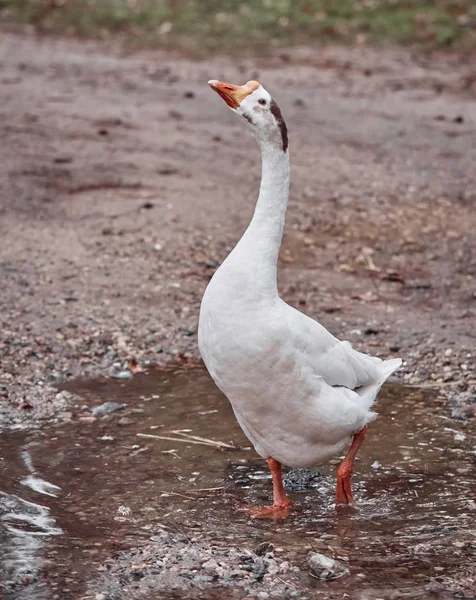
(172, 562)
(110, 240)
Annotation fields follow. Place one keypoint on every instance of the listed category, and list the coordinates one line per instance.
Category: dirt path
(124, 182)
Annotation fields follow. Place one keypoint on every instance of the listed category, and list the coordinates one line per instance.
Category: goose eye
(262, 101)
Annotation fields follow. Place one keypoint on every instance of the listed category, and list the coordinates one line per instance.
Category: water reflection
(413, 485)
(24, 527)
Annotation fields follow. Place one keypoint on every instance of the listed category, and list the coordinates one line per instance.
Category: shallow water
(72, 495)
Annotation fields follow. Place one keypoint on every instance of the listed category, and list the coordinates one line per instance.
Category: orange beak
(233, 95)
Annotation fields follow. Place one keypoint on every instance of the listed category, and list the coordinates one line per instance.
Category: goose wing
(333, 360)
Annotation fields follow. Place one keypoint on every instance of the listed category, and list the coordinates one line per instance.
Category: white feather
(297, 391)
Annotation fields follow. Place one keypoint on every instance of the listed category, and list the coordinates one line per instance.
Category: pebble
(325, 568)
(87, 419)
(122, 375)
(263, 548)
(107, 407)
(210, 564)
(284, 566)
(300, 480)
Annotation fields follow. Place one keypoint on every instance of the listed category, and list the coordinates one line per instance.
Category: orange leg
(346, 469)
(281, 502)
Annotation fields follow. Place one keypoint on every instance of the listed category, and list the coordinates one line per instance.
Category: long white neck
(258, 249)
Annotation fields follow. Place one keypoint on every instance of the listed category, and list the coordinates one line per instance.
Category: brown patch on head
(233, 95)
(248, 118)
(275, 110)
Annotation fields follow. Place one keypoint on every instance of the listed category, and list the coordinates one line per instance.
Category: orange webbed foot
(270, 512)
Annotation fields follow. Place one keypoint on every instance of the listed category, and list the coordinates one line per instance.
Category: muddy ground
(124, 182)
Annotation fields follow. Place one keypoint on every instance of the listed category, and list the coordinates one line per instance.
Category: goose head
(258, 109)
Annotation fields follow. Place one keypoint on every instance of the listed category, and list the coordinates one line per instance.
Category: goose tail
(369, 392)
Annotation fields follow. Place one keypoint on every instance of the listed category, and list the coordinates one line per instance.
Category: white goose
(299, 394)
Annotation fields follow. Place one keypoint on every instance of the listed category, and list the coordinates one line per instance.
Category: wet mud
(76, 498)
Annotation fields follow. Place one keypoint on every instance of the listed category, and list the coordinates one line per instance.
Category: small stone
(186, 331)
(394, 348)
(122, 375)
(463, 412)
(210, 564)
(264, 548)
(263, 595)
(448, 352)
(167, 171)
(284, 566)
(200, 579)
(272, 567)
(300, 480)
(175, 114)
(370, 331)
(325, 568)
(87, 419)
(125, 511)
(107, 408)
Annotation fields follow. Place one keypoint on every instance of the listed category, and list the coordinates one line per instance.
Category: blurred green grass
(255, 25)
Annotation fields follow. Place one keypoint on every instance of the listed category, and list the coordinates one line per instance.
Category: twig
(177, 494)
(221, 487)
(202, 439)
(176, 439)
(310, 544)
(290, 583)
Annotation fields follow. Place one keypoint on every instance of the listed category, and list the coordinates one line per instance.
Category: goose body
(299, 394)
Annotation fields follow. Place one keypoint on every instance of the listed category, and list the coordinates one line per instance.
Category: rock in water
(107, 408)
(300, 480)
(325, 568)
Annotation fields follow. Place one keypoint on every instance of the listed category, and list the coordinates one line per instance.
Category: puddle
(73, 495)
